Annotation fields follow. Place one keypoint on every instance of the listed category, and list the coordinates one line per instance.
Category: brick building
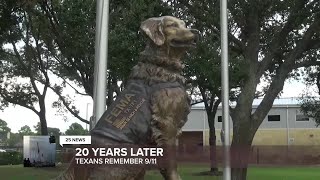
(284, 125)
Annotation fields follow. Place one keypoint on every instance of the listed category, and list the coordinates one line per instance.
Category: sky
(17, 116)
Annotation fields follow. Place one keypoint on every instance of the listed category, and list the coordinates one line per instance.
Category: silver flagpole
(225, 87)
(101, 55)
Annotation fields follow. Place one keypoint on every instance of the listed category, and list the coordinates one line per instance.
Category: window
(219, 118)
(274, 118)
(302, 117)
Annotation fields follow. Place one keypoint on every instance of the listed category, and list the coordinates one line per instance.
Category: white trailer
(39, 151)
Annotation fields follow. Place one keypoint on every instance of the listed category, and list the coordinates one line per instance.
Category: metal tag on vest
(124, 110)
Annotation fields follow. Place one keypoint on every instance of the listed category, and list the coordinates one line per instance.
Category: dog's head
(170, 31)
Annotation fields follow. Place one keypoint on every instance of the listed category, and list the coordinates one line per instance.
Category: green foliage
(66, 34)
(25, 59)
(8, 20)
(125, 43)
(267, 41)
(76, 129)
(72, 27)
(4, 130)
(75, 37)
(11, 158)
(310, 106)
(4, 127)
(25, 131)
(54, 131)
(15, 140)
(59, 37)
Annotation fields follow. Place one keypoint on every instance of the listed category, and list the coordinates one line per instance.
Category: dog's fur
(168, 40)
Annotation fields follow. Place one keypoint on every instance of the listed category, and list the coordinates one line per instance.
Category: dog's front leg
(167, 164)
(168, 169)
(169, 106)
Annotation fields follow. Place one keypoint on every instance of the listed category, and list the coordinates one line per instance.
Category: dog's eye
(172, 25)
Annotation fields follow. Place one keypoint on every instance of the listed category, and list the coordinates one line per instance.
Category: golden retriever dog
(152, 108)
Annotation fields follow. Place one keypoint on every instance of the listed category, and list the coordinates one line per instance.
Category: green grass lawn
(18, 172)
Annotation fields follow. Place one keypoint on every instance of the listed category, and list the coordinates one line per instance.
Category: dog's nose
(196, 33)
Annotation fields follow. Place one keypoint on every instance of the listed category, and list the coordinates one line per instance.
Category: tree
(26, 59)
(310, 104)
(4, 127)
(204, 90)
(54, 131)
(4, 130)
(25, 131)
(51, 130)
(203, 68)
(8, 19)
(76, 129)
(24, 79)
(274, 39)
(15, 139)
(65, 32)
(72, 25)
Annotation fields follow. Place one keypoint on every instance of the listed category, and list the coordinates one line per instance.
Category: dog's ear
(153, 28)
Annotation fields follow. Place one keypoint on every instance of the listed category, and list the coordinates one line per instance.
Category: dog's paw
(179, 133)
(175, 177)
(179, 178)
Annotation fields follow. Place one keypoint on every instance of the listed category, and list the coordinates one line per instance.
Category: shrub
(7, 158)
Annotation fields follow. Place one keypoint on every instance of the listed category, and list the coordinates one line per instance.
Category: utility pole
(101, 59)
(225, 87)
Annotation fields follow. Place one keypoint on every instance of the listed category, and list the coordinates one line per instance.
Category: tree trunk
(239, 159)
(43, 124)
(42, 117)
(213, 152)
(239, 173)
(212, 143)
(110, 92)
(240, 148)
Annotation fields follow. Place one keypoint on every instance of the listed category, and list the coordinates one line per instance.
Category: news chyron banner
(115, 155)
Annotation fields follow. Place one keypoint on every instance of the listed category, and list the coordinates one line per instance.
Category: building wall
(268, 137)
(305, 136)
(218, 137)
(196, 120)
(287, 130)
